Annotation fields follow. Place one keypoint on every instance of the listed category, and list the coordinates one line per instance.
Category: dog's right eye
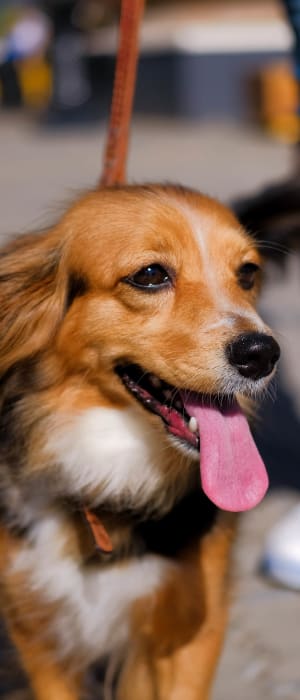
(247, 275)
(151, 278)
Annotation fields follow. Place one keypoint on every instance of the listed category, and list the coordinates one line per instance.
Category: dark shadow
(12, 679)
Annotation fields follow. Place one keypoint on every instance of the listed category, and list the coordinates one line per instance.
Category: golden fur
(67, 318)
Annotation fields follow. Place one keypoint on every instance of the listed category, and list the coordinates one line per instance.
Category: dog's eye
(247, 275)
(150, 278)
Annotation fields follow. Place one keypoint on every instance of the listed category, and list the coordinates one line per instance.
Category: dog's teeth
(155, 381)
(193, 424)
(168, 394)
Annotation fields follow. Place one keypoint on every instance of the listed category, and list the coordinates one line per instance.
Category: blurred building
(201, 59)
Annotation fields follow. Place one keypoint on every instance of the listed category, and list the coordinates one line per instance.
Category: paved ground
(40, 172)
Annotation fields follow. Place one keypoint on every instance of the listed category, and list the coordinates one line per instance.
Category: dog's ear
(32, 296)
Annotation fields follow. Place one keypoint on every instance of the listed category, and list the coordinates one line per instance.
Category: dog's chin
(184, 448)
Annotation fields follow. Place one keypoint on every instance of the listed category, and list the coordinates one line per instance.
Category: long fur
(73, 436)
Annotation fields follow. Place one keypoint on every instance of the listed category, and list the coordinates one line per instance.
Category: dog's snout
(253, 354)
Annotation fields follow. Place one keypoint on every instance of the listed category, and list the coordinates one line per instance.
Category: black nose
(253, 354)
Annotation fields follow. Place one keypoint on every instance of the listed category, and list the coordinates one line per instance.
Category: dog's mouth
(232, 472)
(164, 400)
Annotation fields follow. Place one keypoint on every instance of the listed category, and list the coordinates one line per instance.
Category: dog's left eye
(247, 274)
(151, 278)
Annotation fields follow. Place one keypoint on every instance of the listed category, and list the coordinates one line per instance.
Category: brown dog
(127, 335)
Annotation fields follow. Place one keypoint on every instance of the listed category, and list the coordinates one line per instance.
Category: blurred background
(216, 108)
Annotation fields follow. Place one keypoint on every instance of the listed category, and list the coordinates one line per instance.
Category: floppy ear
(32, 296)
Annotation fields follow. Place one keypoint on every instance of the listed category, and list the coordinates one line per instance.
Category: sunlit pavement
(40, 173)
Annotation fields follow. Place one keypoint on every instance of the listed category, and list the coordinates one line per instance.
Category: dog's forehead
(213, 226)
(176, 227)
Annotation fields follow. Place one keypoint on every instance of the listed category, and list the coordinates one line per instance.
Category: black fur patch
(273, 217)
(77, 287)
(190, 519)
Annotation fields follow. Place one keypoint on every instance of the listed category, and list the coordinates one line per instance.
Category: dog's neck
(131, 532)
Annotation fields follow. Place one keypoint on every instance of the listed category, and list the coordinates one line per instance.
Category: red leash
(114, 168)
(115, 157)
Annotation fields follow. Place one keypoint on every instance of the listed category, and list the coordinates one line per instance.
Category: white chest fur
(93, 606)
(116, 456)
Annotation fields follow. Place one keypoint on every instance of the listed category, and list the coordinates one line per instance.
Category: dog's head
(122, 330)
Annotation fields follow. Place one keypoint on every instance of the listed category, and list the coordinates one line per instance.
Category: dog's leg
(27, 622)
(155, 670)
(48, 680)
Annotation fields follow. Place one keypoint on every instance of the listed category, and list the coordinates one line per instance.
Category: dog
(129, 341)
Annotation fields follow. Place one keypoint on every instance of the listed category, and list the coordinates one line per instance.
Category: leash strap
(115, 156)
(114, 169)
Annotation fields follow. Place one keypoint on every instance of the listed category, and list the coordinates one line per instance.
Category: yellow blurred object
(285, 128)
(279, 92)
(35, 81)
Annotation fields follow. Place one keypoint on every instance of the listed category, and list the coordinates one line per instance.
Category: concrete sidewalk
(40, 172)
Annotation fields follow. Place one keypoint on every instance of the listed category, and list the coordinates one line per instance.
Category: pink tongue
(233, 474)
